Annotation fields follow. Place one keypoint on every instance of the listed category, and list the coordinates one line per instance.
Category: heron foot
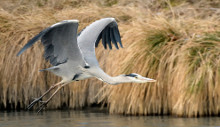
(36, 100)
(43, 104)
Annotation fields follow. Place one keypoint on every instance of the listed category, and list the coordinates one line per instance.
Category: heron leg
(36, 100)
(44, 103)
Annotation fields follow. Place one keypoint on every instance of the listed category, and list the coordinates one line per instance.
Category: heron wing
(89, 38)
(60, 43)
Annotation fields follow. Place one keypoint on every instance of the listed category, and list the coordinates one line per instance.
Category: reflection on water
(96, 118)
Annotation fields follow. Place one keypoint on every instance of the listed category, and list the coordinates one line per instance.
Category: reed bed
(20, 76)
(185, 62)
(175, 42)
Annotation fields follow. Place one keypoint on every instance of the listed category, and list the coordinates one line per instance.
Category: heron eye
(136, 77)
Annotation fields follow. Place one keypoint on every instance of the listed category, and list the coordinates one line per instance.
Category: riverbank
(174, 42)
(95, 118)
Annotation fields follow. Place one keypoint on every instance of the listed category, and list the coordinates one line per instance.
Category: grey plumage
(92, 34)
(73, 55)
(58, 41)
(62, 50)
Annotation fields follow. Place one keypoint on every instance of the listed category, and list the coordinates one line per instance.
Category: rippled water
(97, 118)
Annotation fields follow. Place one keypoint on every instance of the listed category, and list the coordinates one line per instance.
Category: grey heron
(73, 55)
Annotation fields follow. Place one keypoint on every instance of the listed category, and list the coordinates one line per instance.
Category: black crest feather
(131, 75)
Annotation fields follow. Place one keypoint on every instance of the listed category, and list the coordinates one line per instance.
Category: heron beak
(148, 79)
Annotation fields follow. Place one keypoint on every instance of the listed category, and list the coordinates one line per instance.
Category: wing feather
(32, 41)
(60, 43)
(108, 39)
(106, 30)
(104, 39)
(117, 36)
(113, 38)
(97, 40)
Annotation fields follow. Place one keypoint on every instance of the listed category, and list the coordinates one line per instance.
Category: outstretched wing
(60, 43)
(110, 34)
(89, 38)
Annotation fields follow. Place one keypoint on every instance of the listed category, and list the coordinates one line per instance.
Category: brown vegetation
(175, 42)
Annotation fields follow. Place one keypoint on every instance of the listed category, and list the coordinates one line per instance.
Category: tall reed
(174, 42)
(183, 56)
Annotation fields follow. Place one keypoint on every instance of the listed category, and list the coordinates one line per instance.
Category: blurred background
(176, 42)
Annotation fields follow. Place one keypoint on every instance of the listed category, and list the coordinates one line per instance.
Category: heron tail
(49, 69)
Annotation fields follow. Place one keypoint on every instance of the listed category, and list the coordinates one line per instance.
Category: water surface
(98, 118)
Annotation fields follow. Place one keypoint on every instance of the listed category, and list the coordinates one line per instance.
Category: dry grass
(177, 43)
(184, 58)
(20, 78)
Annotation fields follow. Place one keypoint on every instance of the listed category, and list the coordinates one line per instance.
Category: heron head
(136, 78)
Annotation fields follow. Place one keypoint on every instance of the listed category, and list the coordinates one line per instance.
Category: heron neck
(118, 80)
(101, 75)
